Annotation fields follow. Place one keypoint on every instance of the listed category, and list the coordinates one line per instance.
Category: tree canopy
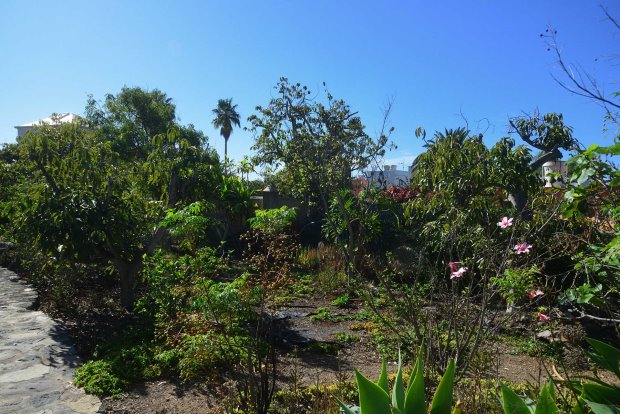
(96, 190)
(317, 143)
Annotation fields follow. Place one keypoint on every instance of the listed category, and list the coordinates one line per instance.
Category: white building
(388, 176)
(54, 119)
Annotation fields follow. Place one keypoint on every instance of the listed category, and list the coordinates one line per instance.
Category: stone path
(37, 359)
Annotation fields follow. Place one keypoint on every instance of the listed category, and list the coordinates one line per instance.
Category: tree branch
(552, 155)
(48, 177)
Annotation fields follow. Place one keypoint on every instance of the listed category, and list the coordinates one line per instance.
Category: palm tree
(226, 116)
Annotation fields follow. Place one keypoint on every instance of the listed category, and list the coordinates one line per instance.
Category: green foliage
(592, 176)
(189, 224)
(94, 191)
(595, 395)
(347, 338)
(341, 301)
(583, 294)
(459, 167)
(374, 398)
(593, 199)
(605, 355)
(319, 144)
(513, 404)
(201, 324)
(273, 220)
(97, 377)
(545, 132)
(516, 283)
(119, 362)
(226, 116)
(322, 315)
(234, 194)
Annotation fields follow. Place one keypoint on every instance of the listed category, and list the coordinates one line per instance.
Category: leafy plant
(322, 314)
(594, 395)
(98, 377)
(515, 283)
(273, 220)
(513, 404)
(341, 301)
(374, 398)
(583, 294)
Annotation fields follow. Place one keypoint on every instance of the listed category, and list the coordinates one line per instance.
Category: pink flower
(458, 273)
(536, 293)
(542, 317)
(454, 266)
(505, 222)
(523, 248)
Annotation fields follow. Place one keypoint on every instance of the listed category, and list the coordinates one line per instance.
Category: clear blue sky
(434, 59)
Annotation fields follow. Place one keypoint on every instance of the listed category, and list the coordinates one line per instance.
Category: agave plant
(595, 395)
(513, 404)
(374, 398)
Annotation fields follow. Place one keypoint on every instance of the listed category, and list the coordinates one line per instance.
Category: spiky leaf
(512, 403)
(345, 408)
(442, 400)
(605, 355)
(373, 398)
(383, 378)
(546, 405)
(415, 399)
(398, 392)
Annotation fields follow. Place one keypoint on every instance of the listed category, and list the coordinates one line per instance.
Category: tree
(317, 144)
(95, 191)
(226, 116)
(548, 134)
(460, 167)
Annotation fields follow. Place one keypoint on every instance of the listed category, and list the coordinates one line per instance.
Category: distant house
(388, 176)
(54, 119)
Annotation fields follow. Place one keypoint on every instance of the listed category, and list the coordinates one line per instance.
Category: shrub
(99, 378)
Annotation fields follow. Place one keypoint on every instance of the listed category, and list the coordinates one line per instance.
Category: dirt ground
(309, 367)
(92, 319)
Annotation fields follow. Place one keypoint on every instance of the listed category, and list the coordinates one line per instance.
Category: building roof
(54, 119)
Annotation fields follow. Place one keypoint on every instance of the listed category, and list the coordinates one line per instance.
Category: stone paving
(37, 359)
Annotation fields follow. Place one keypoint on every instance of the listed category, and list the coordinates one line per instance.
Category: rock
(6, 245)
(37, 359)
(546, 335)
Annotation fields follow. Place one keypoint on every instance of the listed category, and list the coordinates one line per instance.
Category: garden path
(37, 359)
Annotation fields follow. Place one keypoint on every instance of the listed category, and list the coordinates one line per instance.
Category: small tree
(318, 144)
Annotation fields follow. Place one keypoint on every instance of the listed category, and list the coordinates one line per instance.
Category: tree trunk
(519, 201)
(127, 272)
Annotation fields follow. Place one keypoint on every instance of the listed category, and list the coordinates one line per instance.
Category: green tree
(318, 144)
(226, 116)
(96, 190)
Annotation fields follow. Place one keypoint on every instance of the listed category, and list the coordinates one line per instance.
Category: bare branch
(579, 81)
(611, 18)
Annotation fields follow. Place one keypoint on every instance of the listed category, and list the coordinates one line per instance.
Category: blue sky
(438, 61)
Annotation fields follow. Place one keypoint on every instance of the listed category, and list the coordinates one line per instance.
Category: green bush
(99, 378)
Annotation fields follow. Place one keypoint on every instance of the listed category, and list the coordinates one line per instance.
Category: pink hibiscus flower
(454, 266)
(542, 317)
(536, 293)
(457, 274)
(505, 222)
(523, 248)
